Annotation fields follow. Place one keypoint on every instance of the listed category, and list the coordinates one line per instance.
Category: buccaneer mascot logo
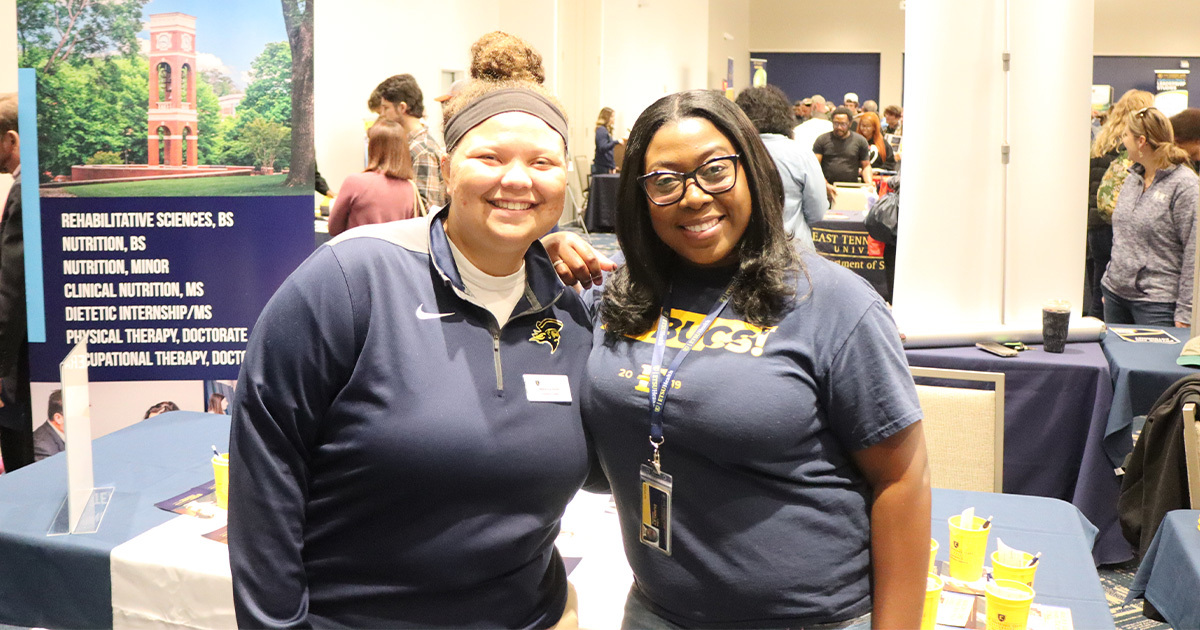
(547, 331)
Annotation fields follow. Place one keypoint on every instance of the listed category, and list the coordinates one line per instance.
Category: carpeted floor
(1117, 579)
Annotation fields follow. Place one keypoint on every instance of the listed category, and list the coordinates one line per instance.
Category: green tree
(269, 94)
(298, 19)
(50, 32)
(219, 81)
(89, 106)
(265, 139)
(208, 119)
(105, 157)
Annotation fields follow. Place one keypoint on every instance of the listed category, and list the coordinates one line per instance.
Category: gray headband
(498, 102)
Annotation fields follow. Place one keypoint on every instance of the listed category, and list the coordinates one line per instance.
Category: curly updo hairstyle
(499, 61)
(499, 56)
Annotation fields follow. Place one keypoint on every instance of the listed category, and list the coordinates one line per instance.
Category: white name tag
(547, 388)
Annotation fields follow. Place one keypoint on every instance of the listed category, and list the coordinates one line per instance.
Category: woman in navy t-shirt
(789, 483)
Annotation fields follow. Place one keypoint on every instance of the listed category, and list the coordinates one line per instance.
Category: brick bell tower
(172, 112)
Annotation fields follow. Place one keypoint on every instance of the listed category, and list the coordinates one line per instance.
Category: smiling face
(867, 129)
(507, 180)
(702, 228)
(1133, 144)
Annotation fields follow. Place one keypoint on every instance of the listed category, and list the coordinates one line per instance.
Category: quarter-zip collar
(542, 286)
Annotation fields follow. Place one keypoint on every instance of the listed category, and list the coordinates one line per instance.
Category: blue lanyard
(661, 384)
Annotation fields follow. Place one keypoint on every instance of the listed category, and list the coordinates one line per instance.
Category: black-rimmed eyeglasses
(715, 176)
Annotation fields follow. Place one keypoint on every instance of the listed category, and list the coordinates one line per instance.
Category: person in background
(217, 404)
(850, 102)
(384, 191)
(805, 200)
(603, 164)
(388, 467)
(807, 132)
(893, 116)
(820, 107)
(455, 89)
(49, 438)
(1098, 118)
(399, 98)
(1107, 153)
(16, 419)
(844, 155)
(871, 106)
(880, 152)
(1186, 125)
(801, 486)
(162, 407)
(803, 110)
(1149, 279)
(322, 186)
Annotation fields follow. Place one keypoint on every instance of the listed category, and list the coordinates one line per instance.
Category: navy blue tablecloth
(1169, 576)
(64, 581)
(601, 215)
(1141, 373)
(1056, 409)
(1065, 575)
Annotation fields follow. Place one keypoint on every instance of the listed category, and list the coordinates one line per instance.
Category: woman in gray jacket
(1149, 279)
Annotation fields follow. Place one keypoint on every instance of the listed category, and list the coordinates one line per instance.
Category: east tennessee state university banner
(174, 165)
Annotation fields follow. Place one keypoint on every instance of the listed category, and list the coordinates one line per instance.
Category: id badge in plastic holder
(656, 509)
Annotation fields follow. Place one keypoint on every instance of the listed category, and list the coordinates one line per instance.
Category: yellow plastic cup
(968, 547)
(221, 475)
(933, 597)
(1008, 605)
(1022, 573)
(933, 547)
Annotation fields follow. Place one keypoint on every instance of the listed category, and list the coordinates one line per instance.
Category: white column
(949, 255)
(981, 244)
(1048, 174)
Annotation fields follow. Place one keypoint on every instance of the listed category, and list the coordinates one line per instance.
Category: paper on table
(1009, 556)
(967, 519)
(955, 609)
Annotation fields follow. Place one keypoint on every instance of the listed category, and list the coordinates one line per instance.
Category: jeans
(1118, 310)
(638, 616)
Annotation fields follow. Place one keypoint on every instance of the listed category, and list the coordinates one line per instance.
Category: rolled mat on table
(1081, 330)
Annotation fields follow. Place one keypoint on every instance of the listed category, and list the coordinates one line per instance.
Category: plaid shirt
(427, 163)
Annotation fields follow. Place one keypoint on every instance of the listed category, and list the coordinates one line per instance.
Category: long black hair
(767, 260)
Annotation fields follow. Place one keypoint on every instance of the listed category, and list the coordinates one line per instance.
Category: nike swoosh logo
(423, 314)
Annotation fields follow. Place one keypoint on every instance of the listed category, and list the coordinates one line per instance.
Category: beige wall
(819, 26)
(358, 44)
(650, 49)
(729, 37)
(1150, 28)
